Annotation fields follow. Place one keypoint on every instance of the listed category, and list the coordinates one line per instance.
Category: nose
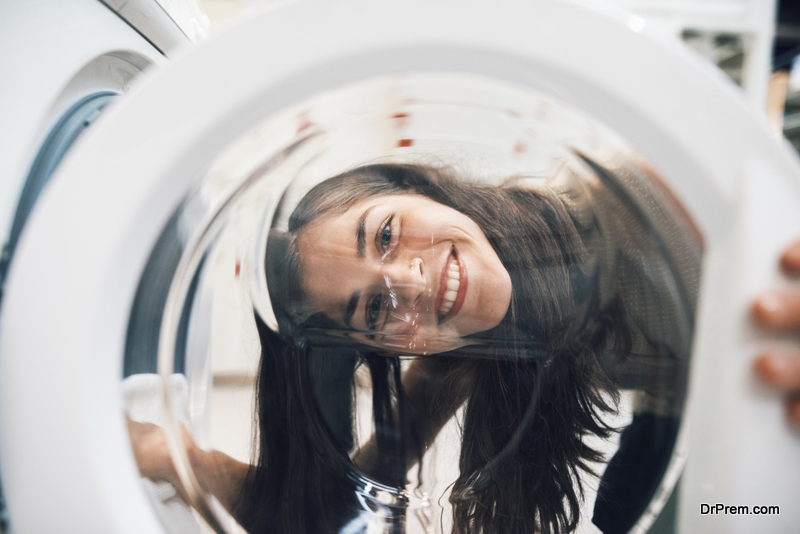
(406, 281)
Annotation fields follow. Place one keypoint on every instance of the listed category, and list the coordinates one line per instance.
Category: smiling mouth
(452, 287)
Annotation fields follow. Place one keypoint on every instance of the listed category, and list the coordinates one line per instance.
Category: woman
(521, 293)
(538, 302)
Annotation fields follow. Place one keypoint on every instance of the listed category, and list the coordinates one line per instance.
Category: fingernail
(790, 260)
(779, 369)
(771, 305)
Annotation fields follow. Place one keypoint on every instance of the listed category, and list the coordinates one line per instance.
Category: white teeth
(453, 283)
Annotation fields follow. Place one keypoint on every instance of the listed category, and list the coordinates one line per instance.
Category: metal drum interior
(624, 285)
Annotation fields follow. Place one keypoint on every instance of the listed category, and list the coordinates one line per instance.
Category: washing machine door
(139, 205)
(65, 62)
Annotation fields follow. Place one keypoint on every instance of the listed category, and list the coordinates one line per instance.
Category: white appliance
(63, 63)
(66, 464)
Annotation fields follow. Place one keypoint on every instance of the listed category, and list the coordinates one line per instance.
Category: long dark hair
(535, 385)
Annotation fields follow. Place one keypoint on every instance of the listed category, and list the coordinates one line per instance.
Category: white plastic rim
(75, 273)
(61, 51)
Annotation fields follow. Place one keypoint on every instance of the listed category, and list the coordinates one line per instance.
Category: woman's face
(408, 274)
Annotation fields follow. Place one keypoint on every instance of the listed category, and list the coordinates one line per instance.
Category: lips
(452, 287)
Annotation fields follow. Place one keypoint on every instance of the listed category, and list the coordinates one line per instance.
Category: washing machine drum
(426, 267)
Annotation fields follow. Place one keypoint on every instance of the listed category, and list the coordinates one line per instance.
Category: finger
(136, 429)
(185, 435)
(778, 310)
(790, 260)
(779, 369)
(793, 409)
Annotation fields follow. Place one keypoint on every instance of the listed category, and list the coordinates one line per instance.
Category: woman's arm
(218, 474)
(435, 388)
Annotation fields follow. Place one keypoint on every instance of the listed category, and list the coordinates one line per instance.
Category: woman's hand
(779, 311)
(152, 454)
(217, 473)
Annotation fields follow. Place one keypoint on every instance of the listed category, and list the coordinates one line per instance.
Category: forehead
(332, 235)
(328, 257)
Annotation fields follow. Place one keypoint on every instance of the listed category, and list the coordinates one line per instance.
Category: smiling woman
(535, 303)
(426, 278)
(421, 297)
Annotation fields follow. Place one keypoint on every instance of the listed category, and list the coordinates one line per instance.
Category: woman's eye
(384, 237)
(373, 312)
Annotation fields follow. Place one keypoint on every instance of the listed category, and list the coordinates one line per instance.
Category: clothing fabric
(647, 253)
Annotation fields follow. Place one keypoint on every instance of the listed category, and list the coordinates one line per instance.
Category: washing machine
(79, 57)
(143, 256)
(65, 62)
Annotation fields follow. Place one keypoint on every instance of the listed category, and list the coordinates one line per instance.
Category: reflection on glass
(483, 326)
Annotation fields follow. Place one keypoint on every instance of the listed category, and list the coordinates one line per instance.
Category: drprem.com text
(722, 509)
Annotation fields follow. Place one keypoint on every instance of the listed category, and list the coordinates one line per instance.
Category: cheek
(403, 333)
(402, 322)
(416, 340)
(398, 343)
(397, 340)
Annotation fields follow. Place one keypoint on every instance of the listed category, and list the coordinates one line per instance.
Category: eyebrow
(361, 252)
(361, 235)
(351, 307)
